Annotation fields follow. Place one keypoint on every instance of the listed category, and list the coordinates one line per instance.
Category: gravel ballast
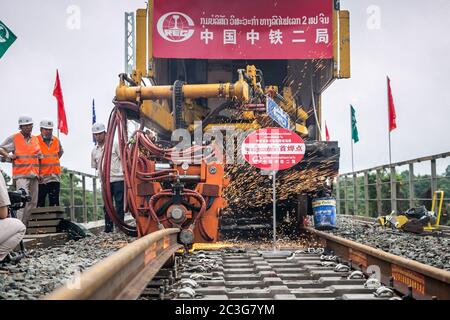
(44, 270)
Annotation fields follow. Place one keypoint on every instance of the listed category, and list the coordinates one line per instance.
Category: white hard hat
(24, 120)
(46, 124)
(98, 128)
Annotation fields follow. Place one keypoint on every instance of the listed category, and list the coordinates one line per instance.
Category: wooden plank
(41, 230)
(44, 223)
(48, 210)
(46, 216)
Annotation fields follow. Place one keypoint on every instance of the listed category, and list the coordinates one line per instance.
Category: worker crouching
(23, 150)
(11, 230)
(50, 168)
(116, 176)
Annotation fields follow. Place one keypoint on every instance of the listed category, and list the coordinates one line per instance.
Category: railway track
(153, 268)
(125, 274)
(406, 276)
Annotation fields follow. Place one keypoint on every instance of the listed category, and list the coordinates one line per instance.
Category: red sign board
(236, 29)
(273, 149)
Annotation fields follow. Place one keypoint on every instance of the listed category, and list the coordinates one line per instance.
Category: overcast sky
(408, 42)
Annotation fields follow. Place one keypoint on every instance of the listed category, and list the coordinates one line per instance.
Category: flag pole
(57, 112)
(351, 139)
(57, 122)
(390, 152)
(353, 161)
(389, 123)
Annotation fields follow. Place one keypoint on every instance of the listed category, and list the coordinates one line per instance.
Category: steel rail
(405, 275)
(125, 274)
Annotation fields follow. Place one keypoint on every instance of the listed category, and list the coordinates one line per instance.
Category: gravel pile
(429, 250)
(44, 270)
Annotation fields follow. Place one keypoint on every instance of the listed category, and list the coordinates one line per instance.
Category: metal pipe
(189, 177)
(162, 166)
(238, 90)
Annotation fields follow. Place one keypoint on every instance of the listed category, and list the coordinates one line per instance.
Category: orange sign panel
(409, 278)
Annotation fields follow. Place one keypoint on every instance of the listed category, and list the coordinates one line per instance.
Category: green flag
(6, 38)
(354, 128)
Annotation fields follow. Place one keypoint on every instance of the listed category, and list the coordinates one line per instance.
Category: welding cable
(128, 163)
(202, 229)
(122, 144)
(159, 175)
(153, 216)
(147, 143)
(106, 163)
(197, 220)
(136, 166)
(105, 170)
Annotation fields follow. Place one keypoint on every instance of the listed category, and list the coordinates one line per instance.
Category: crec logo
(5, 36)
(175, 27)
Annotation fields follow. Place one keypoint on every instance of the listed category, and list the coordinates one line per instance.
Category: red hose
(136, 165)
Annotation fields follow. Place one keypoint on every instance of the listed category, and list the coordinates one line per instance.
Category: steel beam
(411, 185)
(355, 194)
(393, 189)
(366, 193)
(378, 187)
(72, 198)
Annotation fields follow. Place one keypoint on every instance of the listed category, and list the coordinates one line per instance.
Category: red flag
(391, 108)
(57, 93)
(327, 134)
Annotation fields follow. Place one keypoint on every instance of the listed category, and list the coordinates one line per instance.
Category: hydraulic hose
(136, 164)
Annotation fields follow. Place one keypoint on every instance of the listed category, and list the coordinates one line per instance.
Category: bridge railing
(382, 189)
(81, 196)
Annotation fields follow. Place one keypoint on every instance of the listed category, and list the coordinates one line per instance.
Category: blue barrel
(324, 210)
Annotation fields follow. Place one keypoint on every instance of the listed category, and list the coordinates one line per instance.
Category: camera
(18, 200)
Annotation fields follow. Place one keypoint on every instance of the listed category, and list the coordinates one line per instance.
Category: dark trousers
(117, 192)
(52, 190)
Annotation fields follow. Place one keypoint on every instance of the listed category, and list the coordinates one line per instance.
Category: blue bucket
(324, 210)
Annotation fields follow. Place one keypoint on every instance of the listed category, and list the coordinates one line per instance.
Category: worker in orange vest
(23, 150)
(50, 169)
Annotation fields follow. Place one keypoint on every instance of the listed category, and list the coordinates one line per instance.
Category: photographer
(11, 230)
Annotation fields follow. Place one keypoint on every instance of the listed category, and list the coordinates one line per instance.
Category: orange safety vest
(26, 164)
(50, 157)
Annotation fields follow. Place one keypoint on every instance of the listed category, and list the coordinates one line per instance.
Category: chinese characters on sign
(273, 149)
(240, 30)
(275, 36)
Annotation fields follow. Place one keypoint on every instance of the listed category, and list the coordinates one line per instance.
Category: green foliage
(65, 196)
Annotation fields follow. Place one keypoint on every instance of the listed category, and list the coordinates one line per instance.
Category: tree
(65, 198)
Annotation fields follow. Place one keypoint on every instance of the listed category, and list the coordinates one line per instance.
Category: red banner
(236, 29)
